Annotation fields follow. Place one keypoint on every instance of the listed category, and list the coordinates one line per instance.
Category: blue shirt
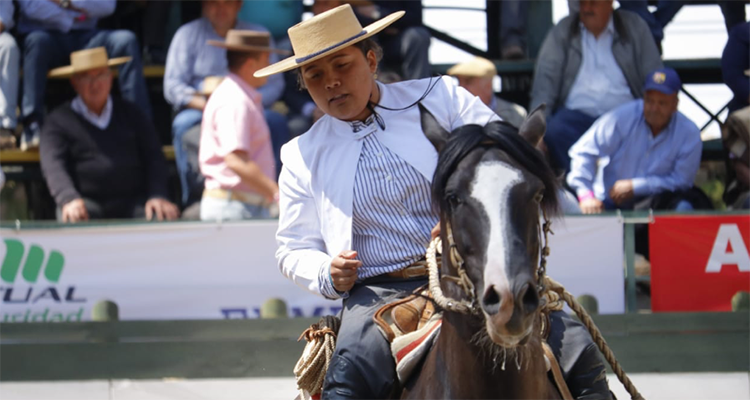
(6, 14)
(620, 145)
(392, 213)
(600, 85)
(46, 15)
(190, 59)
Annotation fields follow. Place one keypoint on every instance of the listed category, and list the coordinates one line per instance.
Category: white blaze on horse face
(491, 187)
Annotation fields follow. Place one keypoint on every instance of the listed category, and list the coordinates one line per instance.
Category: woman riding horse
(355, 207)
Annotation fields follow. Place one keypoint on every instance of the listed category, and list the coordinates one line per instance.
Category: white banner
(209, 271)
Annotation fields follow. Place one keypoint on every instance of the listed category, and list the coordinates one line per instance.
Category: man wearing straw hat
(49, 30)
(100, 154)
(235, 152)
(355, 208)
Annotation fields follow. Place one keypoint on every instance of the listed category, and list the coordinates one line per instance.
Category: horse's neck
(485, 368)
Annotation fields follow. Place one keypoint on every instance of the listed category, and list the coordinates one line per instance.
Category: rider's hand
(344, 270)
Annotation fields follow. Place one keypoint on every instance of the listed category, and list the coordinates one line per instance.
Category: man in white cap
(476, 76)
(235, 152)
(100, 154)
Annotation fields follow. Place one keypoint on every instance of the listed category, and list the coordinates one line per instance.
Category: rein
(471, 306)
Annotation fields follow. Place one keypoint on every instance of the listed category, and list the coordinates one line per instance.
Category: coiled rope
(311, 368)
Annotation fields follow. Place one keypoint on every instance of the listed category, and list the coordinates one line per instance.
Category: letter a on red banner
(698, 262)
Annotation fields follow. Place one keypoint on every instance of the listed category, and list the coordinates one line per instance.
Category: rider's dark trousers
(362, 366)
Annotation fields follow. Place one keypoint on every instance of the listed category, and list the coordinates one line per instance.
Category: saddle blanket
(409, 349)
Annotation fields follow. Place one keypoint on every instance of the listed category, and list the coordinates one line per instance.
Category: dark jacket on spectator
(123, 161)
(735, 61)
(560, 58)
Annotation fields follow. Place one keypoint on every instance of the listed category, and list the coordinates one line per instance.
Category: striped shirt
(392, 214)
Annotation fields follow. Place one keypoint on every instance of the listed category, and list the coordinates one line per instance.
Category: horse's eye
(453, 200)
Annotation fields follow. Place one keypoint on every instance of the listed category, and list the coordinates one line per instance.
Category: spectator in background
(189, 60)
(406, 43)
(49, 31)
(9, 58)
(100, 154)
(641, 155)
(476, 76)
(235, 150)
(590, 63)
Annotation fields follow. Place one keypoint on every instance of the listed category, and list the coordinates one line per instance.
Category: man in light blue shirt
(643, 154)
(9, 59)
(49, 31)
(189, 61)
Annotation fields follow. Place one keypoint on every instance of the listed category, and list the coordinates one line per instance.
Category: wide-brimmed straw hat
(247, 41)
(85, 60)
(477, 67)
(324, 34)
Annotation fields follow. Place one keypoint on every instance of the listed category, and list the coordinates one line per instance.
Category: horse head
(492, 187)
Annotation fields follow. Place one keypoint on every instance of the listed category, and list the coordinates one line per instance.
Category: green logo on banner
(32, 266)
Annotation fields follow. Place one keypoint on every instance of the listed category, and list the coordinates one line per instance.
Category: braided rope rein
(311, 368)
(550, 290)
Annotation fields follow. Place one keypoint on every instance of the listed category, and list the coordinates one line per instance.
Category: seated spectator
(735, 135)
(641, 155)
(476, 76)
(589, 64)
(100, 154)
(9, 58)
(189, 60)
(49, 31)
(406, 43)
(236, 155)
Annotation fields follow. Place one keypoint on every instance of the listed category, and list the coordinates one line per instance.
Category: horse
(492, 187)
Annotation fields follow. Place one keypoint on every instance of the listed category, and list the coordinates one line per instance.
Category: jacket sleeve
(734, 62)
(53, 155)
(548, 72)
(301, 253)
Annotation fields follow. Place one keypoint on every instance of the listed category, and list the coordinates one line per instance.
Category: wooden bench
(11, 157)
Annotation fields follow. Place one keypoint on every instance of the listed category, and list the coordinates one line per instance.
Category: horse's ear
(432, 129)
(534, 126)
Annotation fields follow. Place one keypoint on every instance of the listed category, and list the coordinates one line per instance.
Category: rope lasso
(555, 289)
(311, 368)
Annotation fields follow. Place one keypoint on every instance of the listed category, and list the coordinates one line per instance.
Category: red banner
(698, 262)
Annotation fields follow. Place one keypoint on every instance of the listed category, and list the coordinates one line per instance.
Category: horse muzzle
(508, 316)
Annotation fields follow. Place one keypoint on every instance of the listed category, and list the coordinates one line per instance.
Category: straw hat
(247, 41)
(88, 59)
(210, 83)
(325, 34)
(477, 67)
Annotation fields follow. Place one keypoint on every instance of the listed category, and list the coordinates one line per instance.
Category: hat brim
(291, 63)
(69, 70)
(660, 88)
(248, 49)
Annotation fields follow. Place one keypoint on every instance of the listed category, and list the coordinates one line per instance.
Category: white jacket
(317, 180)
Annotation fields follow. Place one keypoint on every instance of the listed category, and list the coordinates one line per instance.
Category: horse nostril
(491, 300)
(529, 298)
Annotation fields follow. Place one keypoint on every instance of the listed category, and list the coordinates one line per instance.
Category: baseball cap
(664, 80)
